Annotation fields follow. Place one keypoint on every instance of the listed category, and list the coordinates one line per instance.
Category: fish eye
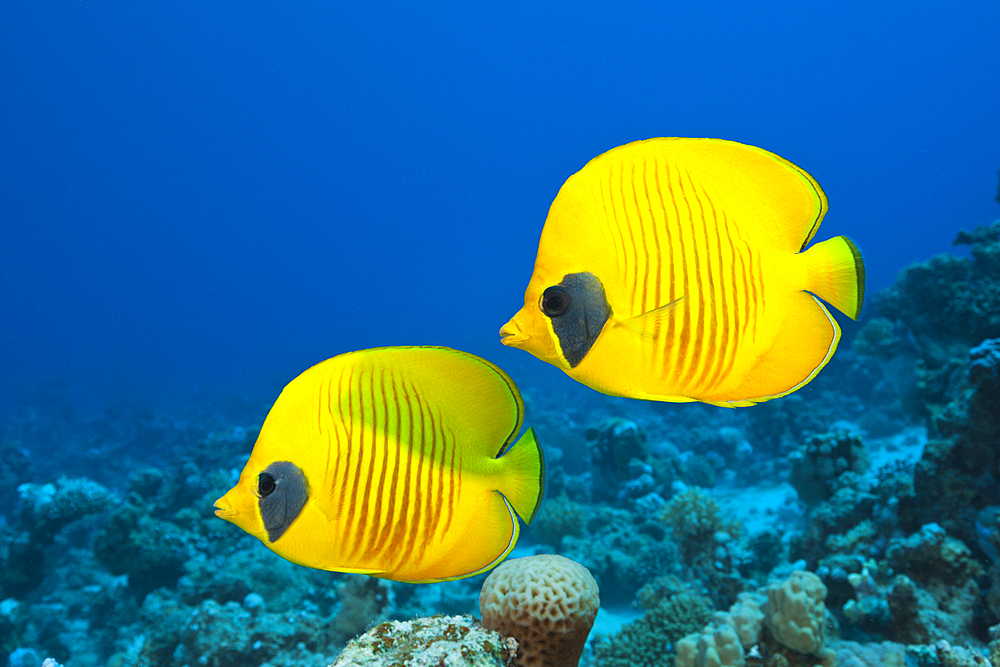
(265, 485)
(555, 301)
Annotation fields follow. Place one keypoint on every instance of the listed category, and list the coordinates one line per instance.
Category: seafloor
(880, 478)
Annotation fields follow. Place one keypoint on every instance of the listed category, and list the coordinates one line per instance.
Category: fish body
(393, 462)
(676, 269)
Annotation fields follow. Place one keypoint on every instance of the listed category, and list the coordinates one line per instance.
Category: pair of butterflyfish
(668, 269)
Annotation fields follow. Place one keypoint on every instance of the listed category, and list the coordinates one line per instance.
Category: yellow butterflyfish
(394, 462)
(676, 269)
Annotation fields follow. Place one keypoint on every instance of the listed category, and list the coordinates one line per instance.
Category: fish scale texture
(547, 603)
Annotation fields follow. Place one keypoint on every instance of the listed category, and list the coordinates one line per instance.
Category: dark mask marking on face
(578, 310)
(282, 493)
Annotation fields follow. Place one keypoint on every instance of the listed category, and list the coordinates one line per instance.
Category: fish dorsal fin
(649, 324)
(770, 200)
(470, 397)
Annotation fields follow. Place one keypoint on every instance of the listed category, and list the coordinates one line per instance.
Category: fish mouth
(223, 509)
(510, 335)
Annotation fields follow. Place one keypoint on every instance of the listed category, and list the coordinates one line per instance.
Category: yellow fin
(523, 479)
(804, 344)
(332, 509)
(837, 274)
(495, 534)
(648, 324)
(477, 399)
(515, 532)
(359, 570)
(667, 398)
(776, 203)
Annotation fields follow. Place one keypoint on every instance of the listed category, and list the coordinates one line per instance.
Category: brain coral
(547, 603)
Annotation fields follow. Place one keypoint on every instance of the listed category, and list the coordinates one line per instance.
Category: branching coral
(672, 611)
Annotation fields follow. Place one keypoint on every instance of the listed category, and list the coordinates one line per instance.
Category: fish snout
(224, 509)
(510, 334)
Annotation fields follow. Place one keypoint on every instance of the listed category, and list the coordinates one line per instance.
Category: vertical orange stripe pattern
(674, 239)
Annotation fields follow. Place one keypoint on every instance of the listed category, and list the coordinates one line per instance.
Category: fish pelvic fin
(523, 478)
(837, 274)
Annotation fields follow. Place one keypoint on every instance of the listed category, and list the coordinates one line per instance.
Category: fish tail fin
(523, 482)
(837, 274)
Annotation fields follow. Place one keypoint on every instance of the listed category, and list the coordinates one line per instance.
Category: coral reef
(672, 611)
(783, 621)
(950, 298)
(936, 594)
(558, 518)
(880, 478)
(957, 475)
(614, 445)
(696, 523)
(877, 338)
(438, 641)
(622, 550)
(944, 306)
(711, 547)
(364, 601)
(547, 603)
(150, 551)
(717, 644)
(220, 635)
(818, 468)
(883, 654)
(795, 613)
(47, 508)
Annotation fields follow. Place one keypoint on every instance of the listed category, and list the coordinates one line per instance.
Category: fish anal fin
(504, 546)
(482, 544)
(803, 346)
(666, 398)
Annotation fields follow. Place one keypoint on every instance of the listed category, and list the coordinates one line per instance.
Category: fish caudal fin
(837, 274)
(523, 479)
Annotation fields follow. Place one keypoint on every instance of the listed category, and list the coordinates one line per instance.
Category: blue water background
(205, 198)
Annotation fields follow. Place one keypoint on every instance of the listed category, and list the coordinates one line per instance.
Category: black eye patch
(578, 310)
(283, 492)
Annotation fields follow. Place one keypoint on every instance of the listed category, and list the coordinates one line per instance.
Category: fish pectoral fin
(329, 510)
(648, 324)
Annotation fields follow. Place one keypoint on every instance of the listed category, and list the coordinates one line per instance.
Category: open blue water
(212, 196)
